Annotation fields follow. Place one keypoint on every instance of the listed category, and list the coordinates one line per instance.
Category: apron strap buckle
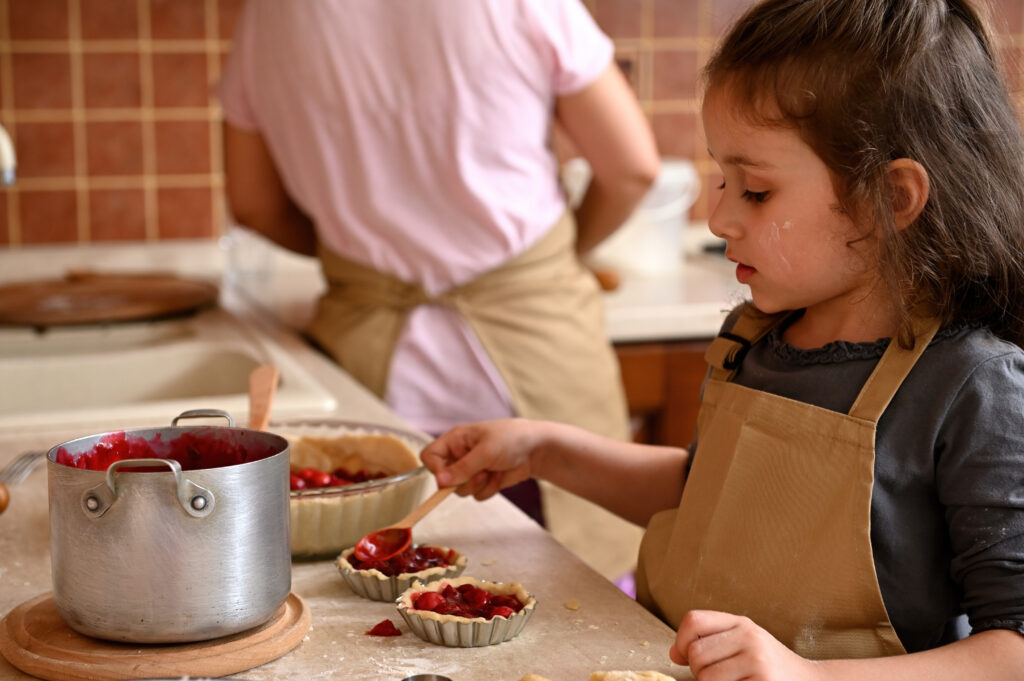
(734, 357)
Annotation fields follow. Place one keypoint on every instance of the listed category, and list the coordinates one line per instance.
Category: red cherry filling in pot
(468, 601)
(413, 559)
(193, 450)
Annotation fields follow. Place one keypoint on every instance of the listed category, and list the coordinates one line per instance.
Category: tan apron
(774, 521)
(540, 318)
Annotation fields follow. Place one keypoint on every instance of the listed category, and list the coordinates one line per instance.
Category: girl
(857, 490)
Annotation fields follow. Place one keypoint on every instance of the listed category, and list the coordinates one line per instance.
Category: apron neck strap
(892, 369)
(726, 352)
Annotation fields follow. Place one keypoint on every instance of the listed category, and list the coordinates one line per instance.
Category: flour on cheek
(774, 241)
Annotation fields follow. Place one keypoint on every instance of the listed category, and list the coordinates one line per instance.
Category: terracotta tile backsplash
(110, 107)
(111, 81)
(109, 19)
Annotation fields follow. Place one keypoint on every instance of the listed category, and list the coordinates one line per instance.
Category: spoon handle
(262, 386)
(416, 514)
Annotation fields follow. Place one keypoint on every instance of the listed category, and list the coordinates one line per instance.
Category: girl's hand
(480, 459)
(722, 647)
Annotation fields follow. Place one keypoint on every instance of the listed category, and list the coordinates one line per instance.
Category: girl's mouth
(744, 273)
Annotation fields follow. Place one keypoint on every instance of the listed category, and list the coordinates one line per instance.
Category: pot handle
(204, 413)
(197, 501)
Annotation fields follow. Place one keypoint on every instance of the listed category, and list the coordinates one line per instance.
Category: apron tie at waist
(539, 317)
(401, 298)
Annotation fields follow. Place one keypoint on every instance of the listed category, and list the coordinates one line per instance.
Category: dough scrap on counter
(534, 677)
(629, 676)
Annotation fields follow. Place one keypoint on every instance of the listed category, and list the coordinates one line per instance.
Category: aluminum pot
(181, 534)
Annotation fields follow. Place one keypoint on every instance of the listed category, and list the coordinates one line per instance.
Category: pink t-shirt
(415, 134)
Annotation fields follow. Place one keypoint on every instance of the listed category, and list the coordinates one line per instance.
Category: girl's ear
(910, 190)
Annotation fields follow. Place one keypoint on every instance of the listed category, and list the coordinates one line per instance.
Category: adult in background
(407, 145)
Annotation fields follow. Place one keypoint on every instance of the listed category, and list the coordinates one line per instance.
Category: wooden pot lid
(92, 298)
(35, 639)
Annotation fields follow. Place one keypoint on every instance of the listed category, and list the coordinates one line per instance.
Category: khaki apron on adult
(774, 522)
(540, 319)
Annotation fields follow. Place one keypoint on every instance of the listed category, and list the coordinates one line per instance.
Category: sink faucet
(7, 159)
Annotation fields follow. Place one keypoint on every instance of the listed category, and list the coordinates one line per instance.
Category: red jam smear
(467, 600)
(413, 559)
(385, 628)
(314, 478)
(194, 450)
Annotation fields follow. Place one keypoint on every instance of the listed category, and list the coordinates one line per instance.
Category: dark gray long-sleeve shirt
(947, 510)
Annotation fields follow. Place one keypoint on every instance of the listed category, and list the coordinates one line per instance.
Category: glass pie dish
(457, 631)
(377, 586)
(327, 520)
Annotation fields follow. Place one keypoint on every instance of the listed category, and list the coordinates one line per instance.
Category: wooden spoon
(392, 540)
(262, 386)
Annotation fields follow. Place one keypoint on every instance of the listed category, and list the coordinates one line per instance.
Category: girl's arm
(727, 647)
(606, 125)
(257, 196)
(633, 481)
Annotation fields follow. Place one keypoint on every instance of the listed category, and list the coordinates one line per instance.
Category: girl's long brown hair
(864, 82)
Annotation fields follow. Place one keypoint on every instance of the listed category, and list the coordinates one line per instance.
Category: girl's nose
(721, 221)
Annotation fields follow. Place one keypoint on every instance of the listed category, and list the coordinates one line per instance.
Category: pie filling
(466, 598)
(314, 478)
(413, 559)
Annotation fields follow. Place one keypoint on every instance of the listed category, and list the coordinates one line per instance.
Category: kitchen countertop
(684, 303)
(608, 631)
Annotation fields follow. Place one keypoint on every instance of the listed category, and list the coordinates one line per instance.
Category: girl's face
(779, 216)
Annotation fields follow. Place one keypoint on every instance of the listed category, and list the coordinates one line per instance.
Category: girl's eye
(753, 197)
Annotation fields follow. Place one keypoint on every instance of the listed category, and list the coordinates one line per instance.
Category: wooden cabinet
(662, 381)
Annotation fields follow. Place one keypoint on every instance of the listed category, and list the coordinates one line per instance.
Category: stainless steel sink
(129, 374)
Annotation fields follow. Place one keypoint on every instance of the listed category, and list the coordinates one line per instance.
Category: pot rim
(281, 445)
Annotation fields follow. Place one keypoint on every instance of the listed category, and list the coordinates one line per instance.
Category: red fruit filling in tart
(313, 478)
(413, 559)
(468, 601)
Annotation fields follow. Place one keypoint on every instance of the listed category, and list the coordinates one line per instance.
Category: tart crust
(466, 632)
(503, 588)
(372, 452)
(324, 521)
(377, 586)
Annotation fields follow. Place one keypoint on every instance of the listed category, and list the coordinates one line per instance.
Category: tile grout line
(117, 45)
(78, 135)
(705, 45)
(213, 72)
(147, 105)
(68, 182)
(646, 55)
(7, 96)
(107, 114)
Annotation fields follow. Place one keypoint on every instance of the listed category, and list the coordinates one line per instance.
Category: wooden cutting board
(92, 297)
(35, 639)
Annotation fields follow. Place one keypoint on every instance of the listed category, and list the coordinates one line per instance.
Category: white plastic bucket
(651, 240)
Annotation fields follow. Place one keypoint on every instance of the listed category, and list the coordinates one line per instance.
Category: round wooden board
(35, 639)
(92, 298)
